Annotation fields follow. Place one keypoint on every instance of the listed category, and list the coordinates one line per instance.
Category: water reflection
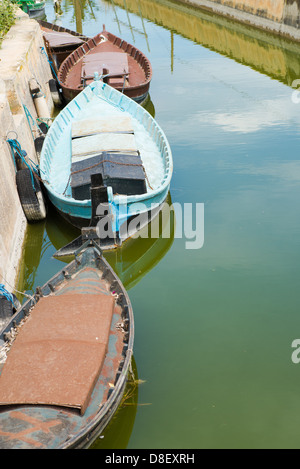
(255, 116)
(135, 258)
(269, 54)
(132, 261)
(138, 256)
(35, 244)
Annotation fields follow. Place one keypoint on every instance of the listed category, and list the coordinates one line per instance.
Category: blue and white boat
(102, 131)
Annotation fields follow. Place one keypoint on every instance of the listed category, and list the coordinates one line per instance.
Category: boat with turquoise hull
(103, 133)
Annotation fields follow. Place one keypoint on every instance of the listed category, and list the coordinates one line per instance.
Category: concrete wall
(20, 61)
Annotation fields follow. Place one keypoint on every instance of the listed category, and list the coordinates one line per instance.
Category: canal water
(214, 325)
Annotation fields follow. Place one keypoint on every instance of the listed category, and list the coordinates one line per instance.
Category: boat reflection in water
(136, 256)
(131, 261)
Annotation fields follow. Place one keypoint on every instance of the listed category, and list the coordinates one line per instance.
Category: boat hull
(139, 67)
(139, 94)
(122, 208)
(127, 225)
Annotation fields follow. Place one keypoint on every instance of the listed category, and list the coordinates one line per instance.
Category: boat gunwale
(45, 25)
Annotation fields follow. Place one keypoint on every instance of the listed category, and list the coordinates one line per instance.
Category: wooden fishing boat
(60, 42)
(105, 153)
(65, 358)
(122, 66)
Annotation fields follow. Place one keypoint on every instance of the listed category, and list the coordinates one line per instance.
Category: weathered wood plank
(102, 124)
(103, 142)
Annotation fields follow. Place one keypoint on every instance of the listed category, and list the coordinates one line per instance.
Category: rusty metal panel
(59, 352)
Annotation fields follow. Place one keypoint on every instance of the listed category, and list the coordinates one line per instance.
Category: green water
(213, 326)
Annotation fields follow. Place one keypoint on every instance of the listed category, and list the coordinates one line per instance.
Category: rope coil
(4, 292)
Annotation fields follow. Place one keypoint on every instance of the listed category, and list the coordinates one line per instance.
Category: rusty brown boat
(118, 63)
(60, 42)
(65, 358)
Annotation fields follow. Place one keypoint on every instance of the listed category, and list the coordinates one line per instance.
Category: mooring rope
(50, 63)
(4, 292)
(15, 146)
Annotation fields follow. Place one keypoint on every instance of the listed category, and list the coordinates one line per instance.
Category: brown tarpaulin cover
(59, 352)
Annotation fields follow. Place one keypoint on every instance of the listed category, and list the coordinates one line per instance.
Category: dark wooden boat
(66, 356)
(120, 64)
(60, 42)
